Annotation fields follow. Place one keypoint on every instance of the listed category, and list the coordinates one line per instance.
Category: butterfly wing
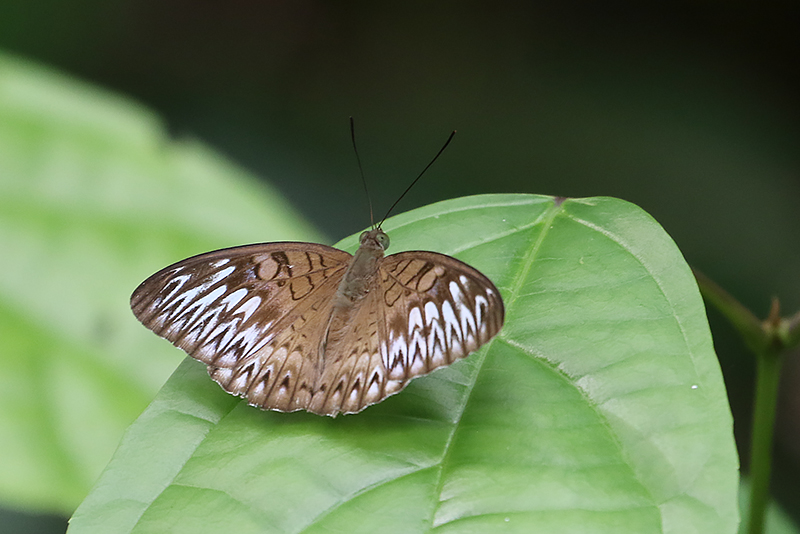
(426, 311)
(252, 314)
(258, 316)
(437, 309)
(354, 376)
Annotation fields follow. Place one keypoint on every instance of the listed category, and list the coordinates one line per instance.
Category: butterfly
(302, 326)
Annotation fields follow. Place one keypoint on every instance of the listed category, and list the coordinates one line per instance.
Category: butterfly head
(375, 239)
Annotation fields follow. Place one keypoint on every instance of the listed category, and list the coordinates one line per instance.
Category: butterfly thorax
(354, 287)
(363, 269)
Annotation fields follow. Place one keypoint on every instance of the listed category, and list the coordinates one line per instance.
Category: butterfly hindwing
(354, 376)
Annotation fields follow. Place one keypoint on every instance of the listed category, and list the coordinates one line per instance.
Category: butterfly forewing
(437, 310)
(223, 306)
(271, 326)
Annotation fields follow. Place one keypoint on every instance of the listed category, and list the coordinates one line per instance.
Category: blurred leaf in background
(777, 520)
(94, 197)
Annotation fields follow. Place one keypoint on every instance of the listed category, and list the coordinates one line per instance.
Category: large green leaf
(599, 408)
(93, 197)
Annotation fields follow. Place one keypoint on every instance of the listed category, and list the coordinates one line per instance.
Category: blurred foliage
(93, 198)
(777, 521)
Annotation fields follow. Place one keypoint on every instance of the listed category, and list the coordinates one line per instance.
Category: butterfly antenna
(418, 177)
(361, 171)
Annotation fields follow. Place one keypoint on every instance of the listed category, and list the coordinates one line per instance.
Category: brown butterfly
(303, 326)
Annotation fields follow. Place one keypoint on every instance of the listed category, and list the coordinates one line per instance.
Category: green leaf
(94, 197)
(599, 408)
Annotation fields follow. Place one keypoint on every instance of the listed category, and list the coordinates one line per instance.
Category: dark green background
(689, 109)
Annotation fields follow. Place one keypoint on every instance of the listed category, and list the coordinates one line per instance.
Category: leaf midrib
(546, 220)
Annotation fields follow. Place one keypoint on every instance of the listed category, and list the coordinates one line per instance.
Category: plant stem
(745, 322)
(768, 340)
(767, 380)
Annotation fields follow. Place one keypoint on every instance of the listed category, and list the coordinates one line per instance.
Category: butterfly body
(303, 326)
(363, 269)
